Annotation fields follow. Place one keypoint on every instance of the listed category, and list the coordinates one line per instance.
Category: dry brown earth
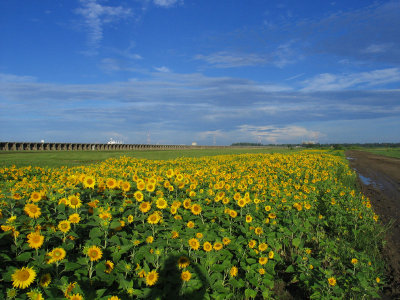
(379, 178)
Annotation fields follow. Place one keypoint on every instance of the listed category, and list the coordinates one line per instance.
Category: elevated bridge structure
(27, 146)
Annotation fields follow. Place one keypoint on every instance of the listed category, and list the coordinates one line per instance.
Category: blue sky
(211, 72)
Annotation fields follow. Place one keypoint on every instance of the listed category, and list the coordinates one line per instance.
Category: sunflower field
(250, 226)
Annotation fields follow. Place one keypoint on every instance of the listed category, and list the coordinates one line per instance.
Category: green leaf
(115, 240)
(251, 261)
(95, 232)
(290, 269)
(114, 224)
(71, 266)
(24, 256)
(296, 242)
(100, 292)
(250, 293)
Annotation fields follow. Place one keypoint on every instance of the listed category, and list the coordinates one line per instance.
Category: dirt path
(379, 178)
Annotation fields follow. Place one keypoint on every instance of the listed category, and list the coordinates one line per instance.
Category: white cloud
(224, 59)
(162, 69)
(275, 134)
(96, 15)
(165, 3)
(376, 48)
(331, 82)
(16, 78)
(285, 55)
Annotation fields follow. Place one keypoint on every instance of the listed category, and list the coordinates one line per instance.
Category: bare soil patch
(379, 179)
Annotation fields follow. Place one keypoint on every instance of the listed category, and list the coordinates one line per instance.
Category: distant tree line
(334, 146)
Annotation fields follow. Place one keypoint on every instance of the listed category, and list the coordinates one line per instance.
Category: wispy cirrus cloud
(225, 59)
(162, 69)
(167, 3)
(282, 55)
(280, 134)
(331, 82)
(95, 16)
(182, 108)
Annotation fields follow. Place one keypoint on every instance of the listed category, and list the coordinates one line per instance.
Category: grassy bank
(391, 152)
(55, 159)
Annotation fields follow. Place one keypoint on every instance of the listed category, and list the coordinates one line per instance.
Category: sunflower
(113, 298)
(271, 254)
(130, 219)
(111, 183)
(68, 289)
(217, 246)
(226, 240)
(174, 234)
(35, 240)
(149, 239)
(125, 186)
(199, 235)
(154, 218)
(161, 203)
(64, 226)
(151, 278)
(207, 246)
(262, 247)
(186, 275)
(75, 297)
(233, 213)
(242, 202)
(141, 185)
(105, 215)
(74, 201)
(190, 224)
(267, 208)
(258, 230)
(252, 244)
(187, 203)
(249, 219)
(170, 173)
(63, 201)
(56, 254)
(233, 271)
(94, 253)
(109, 266)
(138, 196)
(36, 197)
(45, 280)
(263, 260)
(150, 187)
(35, 295)
(272, 215)
(332, 281)
(22, 278)
(196, 209)
(261, 271)
(183, 262)
(74, 218)
(32, 210)
(194, 244)
(89, 182)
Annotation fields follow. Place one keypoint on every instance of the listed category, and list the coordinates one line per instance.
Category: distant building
(194, 144)
(112, 142)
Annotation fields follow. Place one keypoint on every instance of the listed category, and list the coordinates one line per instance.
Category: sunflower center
(23, 275)
(33, 209)
(74, 201)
